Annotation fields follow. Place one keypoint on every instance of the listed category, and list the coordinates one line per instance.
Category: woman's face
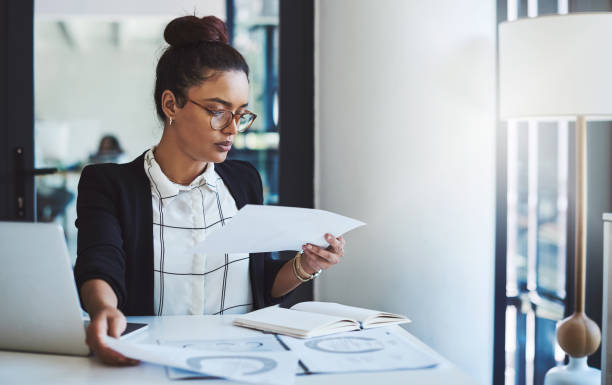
(225, 90)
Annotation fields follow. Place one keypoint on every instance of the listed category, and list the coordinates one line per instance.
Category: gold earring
(170, 122)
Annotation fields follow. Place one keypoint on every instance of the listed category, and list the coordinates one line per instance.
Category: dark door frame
(17, 109)
(296, 114)
(296, 103)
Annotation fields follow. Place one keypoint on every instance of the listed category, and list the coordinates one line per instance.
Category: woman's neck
(176, 165)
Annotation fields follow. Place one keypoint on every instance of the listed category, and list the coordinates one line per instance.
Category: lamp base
(577, 372)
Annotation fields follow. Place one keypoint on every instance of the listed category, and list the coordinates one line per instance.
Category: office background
(101, 57)
(94, 71)
(389, 116)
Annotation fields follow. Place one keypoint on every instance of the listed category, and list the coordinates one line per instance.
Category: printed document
(360, 351)
(257, 229)
(274, 367)
(263, 343)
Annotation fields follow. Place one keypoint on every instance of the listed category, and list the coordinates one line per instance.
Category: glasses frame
(234, 115)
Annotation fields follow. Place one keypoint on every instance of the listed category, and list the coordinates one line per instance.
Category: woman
(138, 222)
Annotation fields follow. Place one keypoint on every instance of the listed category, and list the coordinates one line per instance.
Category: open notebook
(312, 319)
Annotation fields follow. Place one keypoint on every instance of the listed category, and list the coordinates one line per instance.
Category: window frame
(17, 108)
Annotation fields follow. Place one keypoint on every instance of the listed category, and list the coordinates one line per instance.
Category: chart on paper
(245, 360)
(358, 351)
(263, 343)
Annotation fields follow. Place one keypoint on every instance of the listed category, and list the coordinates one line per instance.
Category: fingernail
(309, 246)
(329, 236)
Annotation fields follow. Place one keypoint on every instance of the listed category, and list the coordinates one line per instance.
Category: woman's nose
(231, 128)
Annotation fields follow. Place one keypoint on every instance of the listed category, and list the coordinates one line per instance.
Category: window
(255, 35)
(536, 199)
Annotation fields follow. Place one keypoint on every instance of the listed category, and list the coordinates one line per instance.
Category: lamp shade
(555, 66)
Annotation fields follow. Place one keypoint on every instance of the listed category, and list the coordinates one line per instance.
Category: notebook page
(276, 318)
(336, 309)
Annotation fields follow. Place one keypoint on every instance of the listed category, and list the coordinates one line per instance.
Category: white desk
(30, 368)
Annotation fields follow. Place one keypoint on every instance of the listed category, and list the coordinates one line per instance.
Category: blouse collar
(166, 188)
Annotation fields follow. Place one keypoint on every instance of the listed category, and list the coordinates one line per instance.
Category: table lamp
(552, 68)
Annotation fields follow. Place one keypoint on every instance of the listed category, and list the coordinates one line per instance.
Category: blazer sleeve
(271, 265)
(100, 251)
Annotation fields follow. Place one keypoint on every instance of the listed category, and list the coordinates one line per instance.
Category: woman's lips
(224, 146)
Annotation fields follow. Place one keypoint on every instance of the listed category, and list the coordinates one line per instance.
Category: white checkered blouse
(188, 282)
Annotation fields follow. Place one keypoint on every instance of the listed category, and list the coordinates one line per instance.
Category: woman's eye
(216, 112)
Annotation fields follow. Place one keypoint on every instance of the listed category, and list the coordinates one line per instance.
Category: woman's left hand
(316, 258)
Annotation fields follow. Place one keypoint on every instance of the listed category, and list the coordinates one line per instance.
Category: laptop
(39, 304)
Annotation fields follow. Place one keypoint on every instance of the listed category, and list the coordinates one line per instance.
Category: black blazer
(115, 231)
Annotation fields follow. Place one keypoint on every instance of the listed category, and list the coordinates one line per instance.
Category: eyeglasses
(223, 118)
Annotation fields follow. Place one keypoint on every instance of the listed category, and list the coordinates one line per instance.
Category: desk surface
(31, 368)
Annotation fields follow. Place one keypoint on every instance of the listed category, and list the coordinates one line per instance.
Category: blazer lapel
(144, 229)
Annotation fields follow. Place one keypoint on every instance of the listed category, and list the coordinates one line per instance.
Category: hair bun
(188, 30)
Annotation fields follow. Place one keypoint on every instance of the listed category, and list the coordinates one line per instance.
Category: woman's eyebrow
(224, 102)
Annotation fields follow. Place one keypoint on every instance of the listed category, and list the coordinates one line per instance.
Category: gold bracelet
(296, 273)
(300, 269)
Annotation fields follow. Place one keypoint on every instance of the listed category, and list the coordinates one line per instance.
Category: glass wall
(256, 37)
(94, 72)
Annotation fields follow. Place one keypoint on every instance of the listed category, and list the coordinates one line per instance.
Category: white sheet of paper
(263, 343)
(254, 367)
(256, 229)
(360, 351)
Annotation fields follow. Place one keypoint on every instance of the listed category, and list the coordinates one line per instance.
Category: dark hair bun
(189, 30)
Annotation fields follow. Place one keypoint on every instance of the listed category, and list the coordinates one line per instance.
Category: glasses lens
(245, 121)
(220, 120)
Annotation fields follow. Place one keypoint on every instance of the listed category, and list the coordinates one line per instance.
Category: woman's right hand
(107, 321)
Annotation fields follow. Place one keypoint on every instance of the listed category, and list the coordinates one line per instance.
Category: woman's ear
(168, 104)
